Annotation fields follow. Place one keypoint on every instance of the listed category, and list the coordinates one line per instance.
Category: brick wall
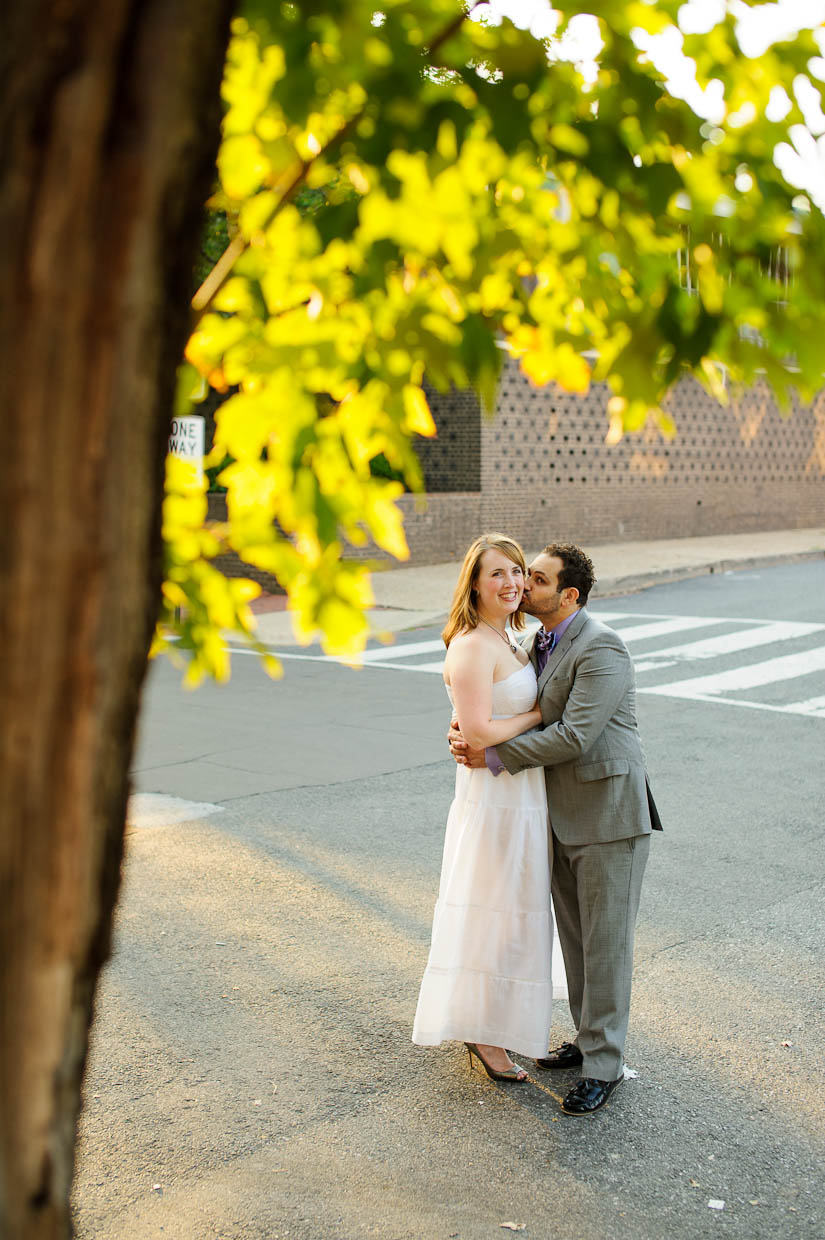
(546, 471)
(541, 471)
(452, 461)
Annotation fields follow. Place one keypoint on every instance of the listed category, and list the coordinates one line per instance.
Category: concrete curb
(634, 582)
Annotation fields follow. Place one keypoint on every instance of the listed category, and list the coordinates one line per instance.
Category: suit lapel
(529, 644)
(561, 648)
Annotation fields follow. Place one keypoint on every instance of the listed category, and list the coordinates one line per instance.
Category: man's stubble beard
(541, 616)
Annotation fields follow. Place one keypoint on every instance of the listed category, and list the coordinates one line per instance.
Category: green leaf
(405, 194)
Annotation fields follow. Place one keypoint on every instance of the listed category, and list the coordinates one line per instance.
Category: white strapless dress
(489, 973)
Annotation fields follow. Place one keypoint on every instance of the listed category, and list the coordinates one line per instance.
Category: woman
(487, 980)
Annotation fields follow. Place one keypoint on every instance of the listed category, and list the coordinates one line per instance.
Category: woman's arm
(471, 666)
(602, 679)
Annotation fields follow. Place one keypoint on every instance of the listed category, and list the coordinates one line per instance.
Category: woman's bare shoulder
(468, 650)
(467, 638)
(470, 643)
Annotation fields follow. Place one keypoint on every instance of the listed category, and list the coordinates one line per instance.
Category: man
(601, 811)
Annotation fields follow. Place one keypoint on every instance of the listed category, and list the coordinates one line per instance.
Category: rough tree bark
(109, 117)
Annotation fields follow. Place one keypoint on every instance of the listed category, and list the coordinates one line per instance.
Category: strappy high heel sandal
(512, 1076)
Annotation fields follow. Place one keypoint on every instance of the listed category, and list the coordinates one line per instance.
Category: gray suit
(600, 815)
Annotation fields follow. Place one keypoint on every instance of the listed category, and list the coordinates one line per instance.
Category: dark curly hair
(577, 570)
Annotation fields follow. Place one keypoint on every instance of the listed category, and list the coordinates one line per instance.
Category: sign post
(187, 442)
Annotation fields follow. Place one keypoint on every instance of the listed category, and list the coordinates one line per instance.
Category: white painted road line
(660, 628)
(283, 654)
(401, 667)
(786, 667)
(153, 809)
(401, 651)
(792, 708)
(728, 643)
(813, 706)
(762, 635)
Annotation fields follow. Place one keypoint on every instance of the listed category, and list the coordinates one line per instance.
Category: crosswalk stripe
(660, 628)
(653, 664)
(762, 634)
(728, 643)
(383, 654)
(785, 667)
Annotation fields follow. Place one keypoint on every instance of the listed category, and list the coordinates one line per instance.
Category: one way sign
(187, 442)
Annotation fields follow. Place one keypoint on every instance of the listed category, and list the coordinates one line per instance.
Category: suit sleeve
(601, 680)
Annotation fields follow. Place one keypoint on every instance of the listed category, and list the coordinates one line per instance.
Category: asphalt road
(252, 1074)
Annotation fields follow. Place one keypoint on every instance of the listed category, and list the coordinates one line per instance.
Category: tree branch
(238, 245)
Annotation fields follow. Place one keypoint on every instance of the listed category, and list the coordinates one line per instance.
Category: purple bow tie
(545, 641)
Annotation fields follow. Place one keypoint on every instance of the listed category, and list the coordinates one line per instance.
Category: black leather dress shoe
(588, 1095)
(565, 1056)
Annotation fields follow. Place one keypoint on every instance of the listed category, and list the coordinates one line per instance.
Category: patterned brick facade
(546, 472)
(541, 471)
(452, 461)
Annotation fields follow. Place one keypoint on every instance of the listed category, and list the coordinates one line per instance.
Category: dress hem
(487, 1037)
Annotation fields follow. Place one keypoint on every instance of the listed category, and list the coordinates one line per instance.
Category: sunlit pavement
(252, 1073)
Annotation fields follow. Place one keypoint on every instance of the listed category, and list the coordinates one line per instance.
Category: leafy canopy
(409, 187)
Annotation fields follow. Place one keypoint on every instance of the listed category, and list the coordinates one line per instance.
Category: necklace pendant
(503, 636)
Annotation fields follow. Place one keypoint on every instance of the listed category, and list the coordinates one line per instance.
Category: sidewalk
(411, 597)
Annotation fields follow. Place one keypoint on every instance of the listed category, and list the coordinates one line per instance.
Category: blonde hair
(463, 611)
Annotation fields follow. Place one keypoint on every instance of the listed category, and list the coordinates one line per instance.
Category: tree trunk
(109, 119)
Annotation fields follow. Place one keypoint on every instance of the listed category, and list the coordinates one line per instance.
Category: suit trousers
(596, 889)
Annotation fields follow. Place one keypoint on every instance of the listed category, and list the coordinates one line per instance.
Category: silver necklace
(503, 636)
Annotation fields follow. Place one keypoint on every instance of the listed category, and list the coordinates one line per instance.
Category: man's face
(542, 597)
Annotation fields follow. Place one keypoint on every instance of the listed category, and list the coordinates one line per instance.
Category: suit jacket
(589, 744)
